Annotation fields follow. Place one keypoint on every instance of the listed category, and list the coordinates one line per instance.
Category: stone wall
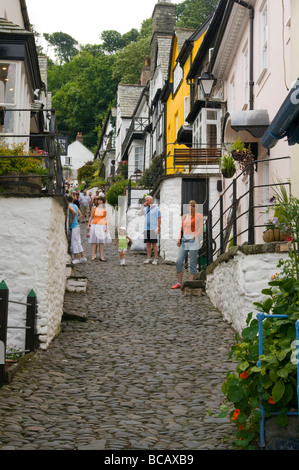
(236, 279)
(33, 254)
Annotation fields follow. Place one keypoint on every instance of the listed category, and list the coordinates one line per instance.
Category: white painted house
(77, 156)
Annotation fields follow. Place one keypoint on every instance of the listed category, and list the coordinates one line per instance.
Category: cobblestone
(144, 371)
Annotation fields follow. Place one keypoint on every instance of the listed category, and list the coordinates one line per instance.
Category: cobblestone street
(144, 371)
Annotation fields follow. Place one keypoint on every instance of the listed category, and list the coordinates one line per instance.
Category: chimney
(163, 24)
(146, 72)
(79, 137)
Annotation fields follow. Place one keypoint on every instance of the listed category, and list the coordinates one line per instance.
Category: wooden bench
(196, 156)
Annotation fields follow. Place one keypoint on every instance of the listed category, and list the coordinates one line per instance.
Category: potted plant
(227, 166)
(278, 226)
(21, 173)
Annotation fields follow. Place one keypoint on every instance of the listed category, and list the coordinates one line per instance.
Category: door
(196, 189)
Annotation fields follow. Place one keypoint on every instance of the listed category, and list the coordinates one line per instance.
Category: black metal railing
(223, 224)
(136, 130)
(29, 326)
(51, 154)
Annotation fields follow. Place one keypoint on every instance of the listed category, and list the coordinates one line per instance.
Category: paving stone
(143, 371)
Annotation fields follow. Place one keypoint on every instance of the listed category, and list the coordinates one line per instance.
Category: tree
(130, 60)
(64, 46)
(192, 13)
(85, 90)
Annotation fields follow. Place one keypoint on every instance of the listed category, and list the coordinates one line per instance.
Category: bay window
(207, 129)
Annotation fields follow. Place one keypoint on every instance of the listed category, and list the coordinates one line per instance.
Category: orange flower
(244, 374)
(236, 415)
(240, 428)
(271, 401)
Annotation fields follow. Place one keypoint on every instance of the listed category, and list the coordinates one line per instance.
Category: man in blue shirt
(152, 223)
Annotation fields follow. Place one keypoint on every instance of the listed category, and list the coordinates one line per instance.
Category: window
(177, 77)
(139, 158)
(186, 107)
(8, 83)
(264, 37)
(245, 76)
(206, 129)
(67, 161)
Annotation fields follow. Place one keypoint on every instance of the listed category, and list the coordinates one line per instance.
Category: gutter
(285, 123)
(251, 18)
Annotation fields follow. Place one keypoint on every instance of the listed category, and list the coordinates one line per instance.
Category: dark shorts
(150, 236)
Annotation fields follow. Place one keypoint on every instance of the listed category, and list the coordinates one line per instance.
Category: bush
(35, 165)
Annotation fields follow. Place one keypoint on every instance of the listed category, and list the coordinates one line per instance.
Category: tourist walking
(152, 223)
(98, 228)
(189, 242)
(74, 230)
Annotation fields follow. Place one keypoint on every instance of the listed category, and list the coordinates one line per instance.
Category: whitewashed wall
(33, 255)
(235, 284)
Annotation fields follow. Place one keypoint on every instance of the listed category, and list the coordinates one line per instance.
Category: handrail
(223, 236)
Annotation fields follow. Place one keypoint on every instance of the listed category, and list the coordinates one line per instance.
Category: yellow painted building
(185, 45)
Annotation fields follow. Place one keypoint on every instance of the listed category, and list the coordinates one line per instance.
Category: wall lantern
(207, 81)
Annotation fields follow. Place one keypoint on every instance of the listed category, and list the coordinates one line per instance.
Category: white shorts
(76, 246)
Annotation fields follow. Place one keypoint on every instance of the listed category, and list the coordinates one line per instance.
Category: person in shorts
(75, 234)
(152, 223)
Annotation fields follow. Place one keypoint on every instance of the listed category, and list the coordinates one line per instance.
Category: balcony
(135, 132)
(196, 156)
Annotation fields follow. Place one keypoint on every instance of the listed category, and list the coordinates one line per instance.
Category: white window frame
(200, 128)
(264, 37)
(139, 159)
(178, 74)
(67, 160)
(186, 107)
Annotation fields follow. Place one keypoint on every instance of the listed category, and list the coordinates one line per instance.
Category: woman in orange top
(97, 225)
(189, 242)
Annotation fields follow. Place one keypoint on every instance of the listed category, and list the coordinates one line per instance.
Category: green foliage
(117, 189)
(130, 60)
(192, 13)
(227, 165)
(113, 41)
(151, 174)
(64, 45)
(272, 377)
(83, 89)
(35, 165)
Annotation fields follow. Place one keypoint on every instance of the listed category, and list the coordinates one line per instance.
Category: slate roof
(128, 96)
(7, 27)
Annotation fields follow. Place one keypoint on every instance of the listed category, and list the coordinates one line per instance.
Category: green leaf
(278, 391)
(250, 332)
(267, 305)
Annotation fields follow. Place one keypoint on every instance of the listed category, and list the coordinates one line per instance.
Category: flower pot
(21, 183)
(274, 235)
